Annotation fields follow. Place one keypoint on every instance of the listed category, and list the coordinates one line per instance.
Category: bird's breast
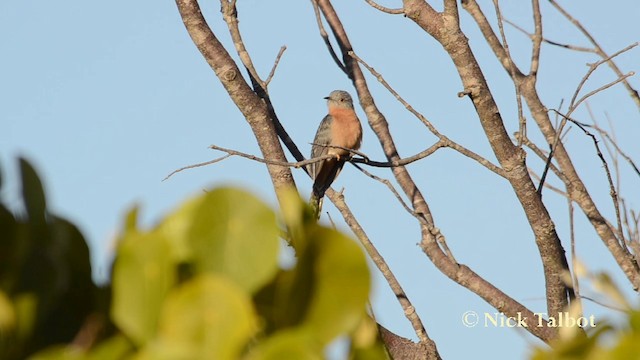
(346, 130)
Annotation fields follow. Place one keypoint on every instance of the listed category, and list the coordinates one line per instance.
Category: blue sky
(106, 99)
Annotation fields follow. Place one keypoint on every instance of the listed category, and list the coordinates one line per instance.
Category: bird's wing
(323, 137)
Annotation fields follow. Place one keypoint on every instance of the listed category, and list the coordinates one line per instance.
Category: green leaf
(143, 274)
(131, 219)
(7, 314)
(25, 305)
(342, 285)
(208, 317)
(235, 234)
(59, 352)
(116, 347)
(10, 257)
(366, 342)
(32, 192)
(296, 344)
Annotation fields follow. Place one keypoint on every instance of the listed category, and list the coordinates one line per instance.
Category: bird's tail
(316, 203)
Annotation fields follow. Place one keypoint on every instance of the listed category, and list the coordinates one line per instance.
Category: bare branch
(325, 38)
(547, 164)
(380, 127)
(615, 145)
(446, 141)
(632, 92)
(574, 257)
(536, 38)
(544, 157)
(574, 105)
(384, 9)
(451, 9)
(608, 306)
(388, 184)
(472, 7)
(593, 68)
(522, 121)
(576, 187)
(275, 65)
(601, 88)
(394, 162)
(303, 163)
(511, 157)
(550, 42)
(196, 165)
(349, 150)
(438, 25)
(253, 109)
(401, 296)
(547, 185)
(230, 15)
(613, 193)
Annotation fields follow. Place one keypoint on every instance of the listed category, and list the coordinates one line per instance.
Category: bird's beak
(326, 98)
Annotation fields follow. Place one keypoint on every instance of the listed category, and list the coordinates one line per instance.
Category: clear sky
(107, 98)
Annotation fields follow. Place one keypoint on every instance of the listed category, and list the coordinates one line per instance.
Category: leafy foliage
(204, 283)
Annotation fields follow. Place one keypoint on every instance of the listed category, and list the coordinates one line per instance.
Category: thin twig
(275, 65)
(522, 121)
(303, 163)
(574, 104)
(325, 38)
(608, 306)
(349, 150)
(544, 157)
(389, 164)
(390, 186)
(574, 257)
(381, 264)
(602, 88)
(197, 165)
(632, 92)
(616, 147)
(547, 164)
(230, 15)
(550, 42)
(616, 165)
(404, 161)
(592, 68)
(384, 9)
(552, 148)
(547, 185)
(613, 193)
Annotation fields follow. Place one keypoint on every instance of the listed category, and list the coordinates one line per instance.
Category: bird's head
(340, 98)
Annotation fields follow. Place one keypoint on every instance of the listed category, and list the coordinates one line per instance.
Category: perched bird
(338, 132)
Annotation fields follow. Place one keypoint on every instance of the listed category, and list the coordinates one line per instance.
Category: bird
(339, 131)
